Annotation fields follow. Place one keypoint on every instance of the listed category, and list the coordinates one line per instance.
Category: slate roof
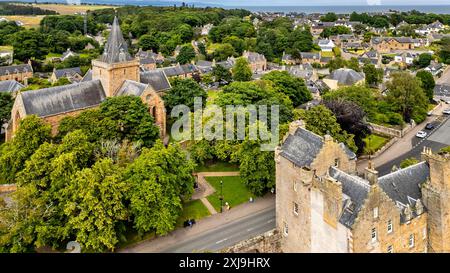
(149, 60)
(67, 54)
(129, 88)
(10, 86)
(346, 76)
(302, 147)
(254, 57)
(12, 69)
(67, 72)
(173, 71)
(62, 99)
(404, 184)
(116, 48)
(356, 189)
(87, 76)
(310, 55)
(156, 79)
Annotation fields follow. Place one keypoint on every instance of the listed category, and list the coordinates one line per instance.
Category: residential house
(388, 44)
(370, 57)
(310, 57)
(343, 77)
(6, 56)
(404, 58)
(435, 68)
(434, 27)
(257, 62)
(10, 86)
(326, 45)
(73, 74)
(67, 54)
(19, 72)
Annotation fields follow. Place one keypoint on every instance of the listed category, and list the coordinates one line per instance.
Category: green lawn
(217, 167)
(192, 210)
(53, 55)
(327, 54)
(234, 191)
(375, 143)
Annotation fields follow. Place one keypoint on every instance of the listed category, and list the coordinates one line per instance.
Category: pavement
(217, 231)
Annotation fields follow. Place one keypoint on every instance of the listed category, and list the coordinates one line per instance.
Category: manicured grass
(192, 210)
(376, 142)
(327, 54)
(53, 55)
(234, 191)
(218, 167)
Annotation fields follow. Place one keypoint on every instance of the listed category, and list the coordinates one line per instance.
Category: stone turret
(435, 195)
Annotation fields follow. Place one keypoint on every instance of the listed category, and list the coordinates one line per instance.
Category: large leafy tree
(183, 92)
(186, 54)
(406, 95)
(29, 44)
(31, 134)
(96, 206)
(293, 87)
(119, 118)
(321, 120)
(149, 42)
(221, 74)
(241, 70)
(6, 103)
(351, 118)
(428, 83)
(159, 179)
(373, 75)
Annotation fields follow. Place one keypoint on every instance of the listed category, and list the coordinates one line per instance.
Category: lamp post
(221, 196)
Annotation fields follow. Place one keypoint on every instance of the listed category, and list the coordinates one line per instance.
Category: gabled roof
(62, 99)
(10, 86)
(67, 72)
(346, 76)
(116, 48)
(87, 76)
(129, 88)
(405, 183)
(356, 189)
(12, 69)
(156, 79)
(302, 147)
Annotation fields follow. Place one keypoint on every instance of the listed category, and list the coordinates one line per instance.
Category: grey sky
(321, 2)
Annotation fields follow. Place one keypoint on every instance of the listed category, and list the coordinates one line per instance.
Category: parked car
(446, 112)
(430, 113)
(429, 126)
(421, 134)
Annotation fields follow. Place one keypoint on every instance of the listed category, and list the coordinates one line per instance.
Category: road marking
(221, 241)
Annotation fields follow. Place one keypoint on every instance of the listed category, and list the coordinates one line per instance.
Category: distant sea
(439, 9)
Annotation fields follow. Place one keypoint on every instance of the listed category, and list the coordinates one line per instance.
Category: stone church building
(114, 73)
(323, 206)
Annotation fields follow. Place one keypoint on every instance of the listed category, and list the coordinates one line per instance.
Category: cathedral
(114, 73)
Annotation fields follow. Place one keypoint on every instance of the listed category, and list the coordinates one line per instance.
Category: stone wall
(383, 130)
(268, 242)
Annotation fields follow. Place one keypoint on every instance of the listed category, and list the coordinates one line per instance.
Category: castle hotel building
(323, 206)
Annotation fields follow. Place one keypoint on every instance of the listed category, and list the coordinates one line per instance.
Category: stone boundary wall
(4, 188)
(269, 242)
(383, 130)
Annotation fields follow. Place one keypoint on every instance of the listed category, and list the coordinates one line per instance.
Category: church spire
(116, 48)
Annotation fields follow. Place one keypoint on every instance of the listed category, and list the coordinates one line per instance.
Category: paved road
(436, 139)
(227, 235)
